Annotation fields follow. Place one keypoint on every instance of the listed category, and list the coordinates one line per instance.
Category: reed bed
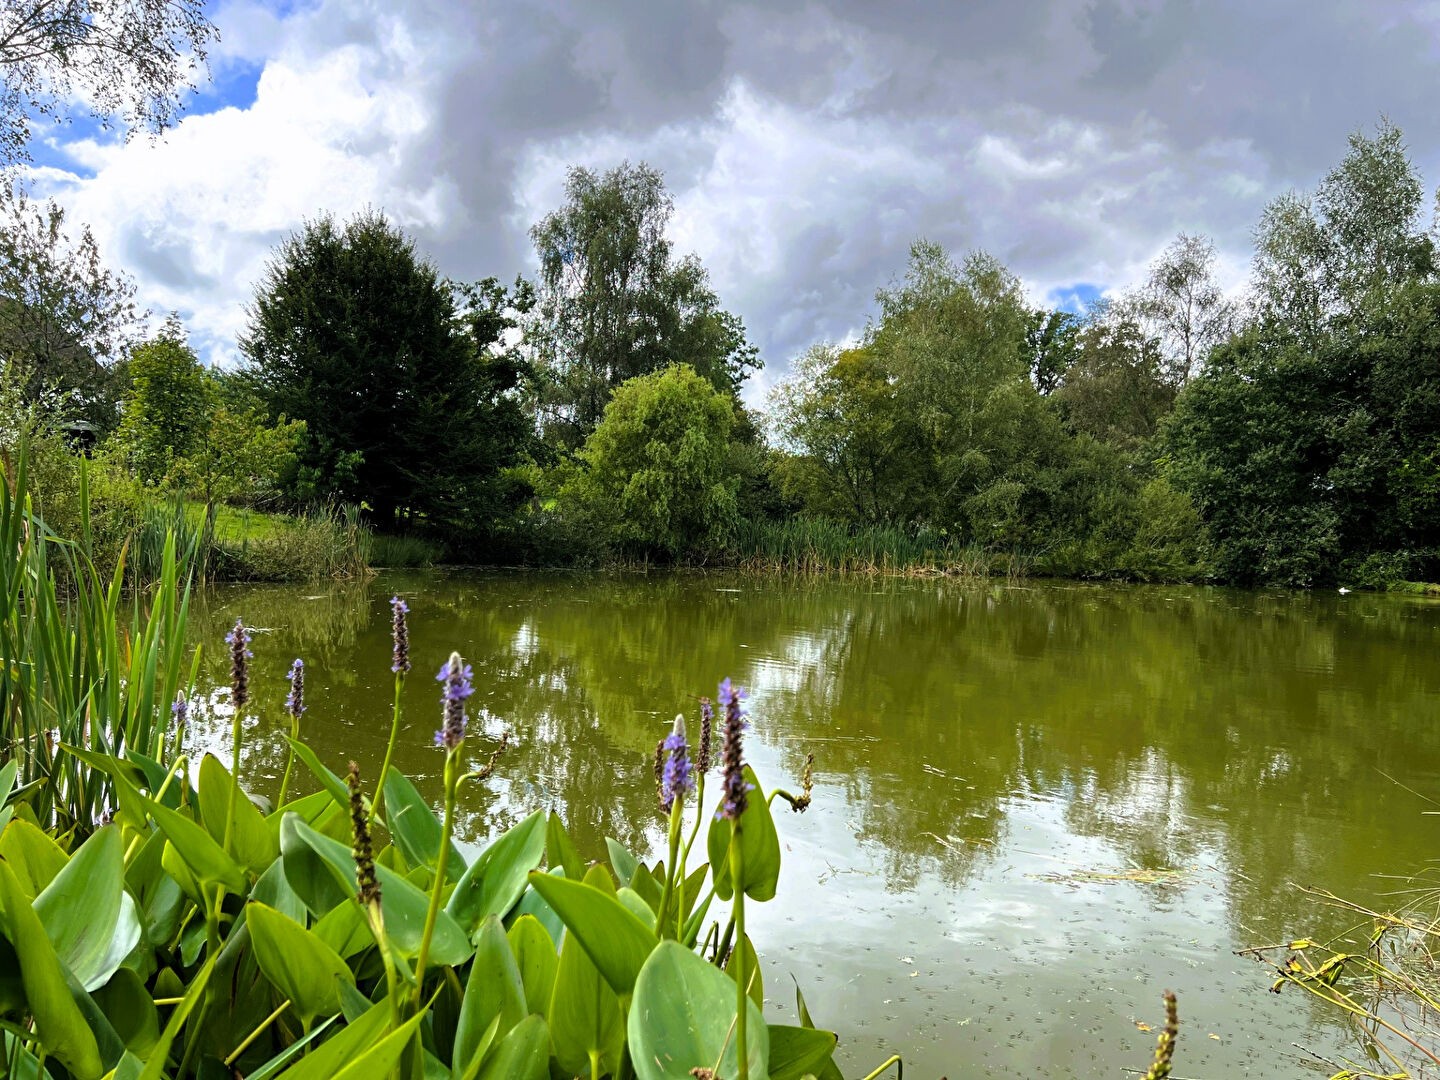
(819, 546)
(404, 552)
(238, 545)
(327, 543)
(84, 666)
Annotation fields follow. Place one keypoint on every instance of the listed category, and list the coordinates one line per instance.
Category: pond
(993, 765)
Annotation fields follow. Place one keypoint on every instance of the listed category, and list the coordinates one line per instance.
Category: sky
(806, 144)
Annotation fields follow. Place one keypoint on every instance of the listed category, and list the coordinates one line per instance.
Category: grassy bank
(233, 544)
(404, 552)
(1415, 588)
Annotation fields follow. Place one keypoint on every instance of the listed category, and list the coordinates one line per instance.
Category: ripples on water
(992, 764)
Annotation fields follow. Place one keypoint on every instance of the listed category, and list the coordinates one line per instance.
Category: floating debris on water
(1136, 876)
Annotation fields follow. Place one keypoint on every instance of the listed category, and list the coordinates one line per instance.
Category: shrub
(654, 476)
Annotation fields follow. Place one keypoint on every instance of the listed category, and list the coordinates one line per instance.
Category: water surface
(985, 756)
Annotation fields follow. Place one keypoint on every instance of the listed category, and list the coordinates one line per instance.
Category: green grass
(237, 526)
(309, 547)
(249, 545)
(1415, 588)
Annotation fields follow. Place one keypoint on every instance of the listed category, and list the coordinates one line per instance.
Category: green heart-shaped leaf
(621, 860)
(560, 850)
(131, 1012)
(494, 989)
(34, 857)
(90, 918)
(759, 844)
(683, 1018)
(301, 966)
(495, 880)
(251, 841)
(312, 856)
(524, 1054)
(59, 1024)
(536, 958)
(584, 1012)
(324, 1062)
(413, 825)
(798, 1051)
(615, 939)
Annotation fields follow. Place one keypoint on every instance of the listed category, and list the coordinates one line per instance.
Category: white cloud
(806, 144)
(801, 214)
(195, 216)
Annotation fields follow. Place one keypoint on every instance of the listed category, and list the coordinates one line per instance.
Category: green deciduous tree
(1310, 445)
(1052, 343)
(125, 61)
(969, 413)
(243, 459)
(1334, 256)
(407, 399)
(66, 320)
(858, 454)
(1307, 461)
(1116, 388)
(1182, 306)
(614, 302)
(654, 474)
(954, 340)
(167, 409)
(198, 432)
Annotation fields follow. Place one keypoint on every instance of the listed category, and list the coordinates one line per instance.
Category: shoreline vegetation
(1283, 435)
(233, 545)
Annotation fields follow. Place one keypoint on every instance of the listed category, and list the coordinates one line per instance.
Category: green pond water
(983, 754)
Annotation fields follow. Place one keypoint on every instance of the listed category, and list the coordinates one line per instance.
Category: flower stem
(673, 870)
(234, 777)
(893, 1059)
(737, 879)
(699, 815)
(375, 917)
(452, 781)
(289, 762)
(389, 750)
(245, 1045)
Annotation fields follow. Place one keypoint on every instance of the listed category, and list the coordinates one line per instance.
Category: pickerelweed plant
(193, 935)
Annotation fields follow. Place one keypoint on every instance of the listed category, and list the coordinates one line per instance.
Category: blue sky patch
(49, 141)
(1076, 299)
(232, 84)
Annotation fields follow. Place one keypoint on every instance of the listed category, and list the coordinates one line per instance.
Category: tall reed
(805, 545)
(85, 664)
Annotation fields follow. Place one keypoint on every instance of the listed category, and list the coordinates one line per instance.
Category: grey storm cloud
(807, 144)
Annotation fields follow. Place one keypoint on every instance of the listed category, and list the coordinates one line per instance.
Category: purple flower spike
(456, 675)
(180, 710)
(400, 635)
(707, 727)
(295, 700)
(240, 655)
(733, 799)
(678, 777)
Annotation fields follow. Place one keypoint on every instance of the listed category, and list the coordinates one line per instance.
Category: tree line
(1290, 435)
